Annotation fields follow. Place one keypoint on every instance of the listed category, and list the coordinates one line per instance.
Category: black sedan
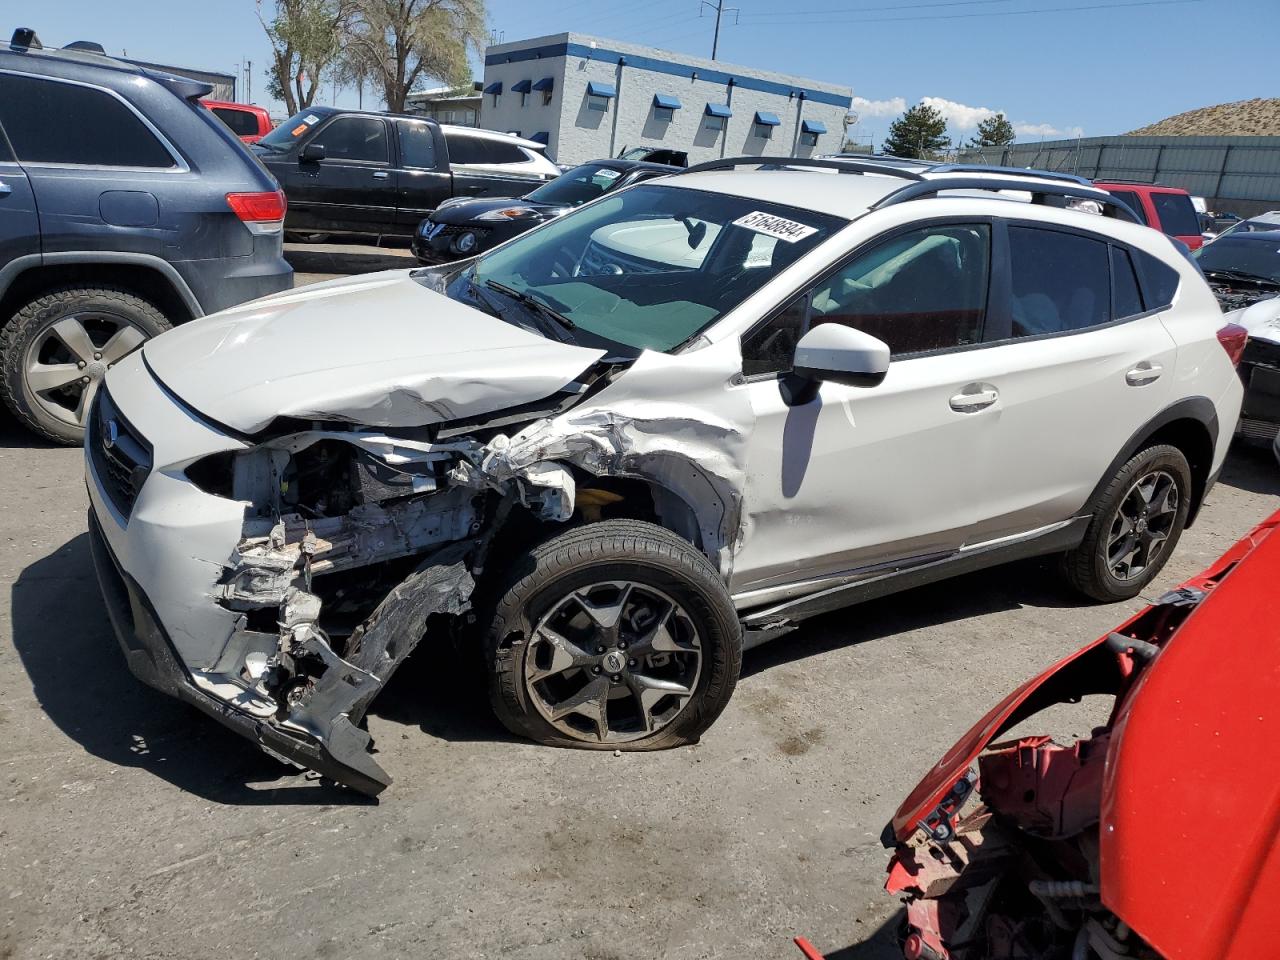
(463, 228)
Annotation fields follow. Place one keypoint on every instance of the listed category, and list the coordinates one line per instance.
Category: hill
(1259, 117)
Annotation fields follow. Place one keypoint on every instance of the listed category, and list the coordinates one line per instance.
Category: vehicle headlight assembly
(509, 213)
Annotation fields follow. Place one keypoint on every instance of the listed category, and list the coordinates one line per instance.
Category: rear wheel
(1137, 520)
(57, 348)
(615, 635)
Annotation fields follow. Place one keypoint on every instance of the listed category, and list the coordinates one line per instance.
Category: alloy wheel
(65, 364)
(1142, 524)
(612, 662)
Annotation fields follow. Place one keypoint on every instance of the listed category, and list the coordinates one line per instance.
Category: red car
(248, 122)
(1168, 209)
(1156, 836)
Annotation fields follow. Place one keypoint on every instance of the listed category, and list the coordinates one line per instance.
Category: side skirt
(765, 624)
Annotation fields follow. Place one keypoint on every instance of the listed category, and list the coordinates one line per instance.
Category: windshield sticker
(779, 227)
(604, 173)
(310, 119)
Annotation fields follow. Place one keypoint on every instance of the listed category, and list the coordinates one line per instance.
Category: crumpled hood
(1262, 319)
(380, 350)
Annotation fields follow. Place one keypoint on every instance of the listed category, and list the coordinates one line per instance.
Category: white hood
(380, 350)
(1261, 319)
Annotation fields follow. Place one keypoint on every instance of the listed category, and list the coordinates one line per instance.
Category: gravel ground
(132, 826)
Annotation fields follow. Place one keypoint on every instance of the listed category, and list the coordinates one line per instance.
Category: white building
(587, 97)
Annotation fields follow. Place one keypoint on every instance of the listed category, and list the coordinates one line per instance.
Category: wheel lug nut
(97, 356)
(81, 364)
(595, 669)
(622, 644)
(631, 663)
(599, 649)
(84, 379)
(616, 678)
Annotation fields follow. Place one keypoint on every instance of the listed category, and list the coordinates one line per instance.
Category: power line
(891, 6)
(966, 16)
(719, 7)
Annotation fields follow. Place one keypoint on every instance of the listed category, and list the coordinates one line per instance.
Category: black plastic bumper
(153, 660)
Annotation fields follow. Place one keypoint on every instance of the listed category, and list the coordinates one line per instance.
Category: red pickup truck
(1168, 209)
(248, 122)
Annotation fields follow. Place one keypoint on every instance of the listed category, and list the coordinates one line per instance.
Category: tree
(306, 37)
(994, 131)
(400, 43)
(920, 133)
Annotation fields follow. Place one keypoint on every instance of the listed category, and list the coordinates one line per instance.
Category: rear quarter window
(49, 121)
(1159, 281)
(242, 122)
(465, 149)
(1177, 214)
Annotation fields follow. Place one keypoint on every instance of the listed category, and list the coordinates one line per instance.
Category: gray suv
(125, 207)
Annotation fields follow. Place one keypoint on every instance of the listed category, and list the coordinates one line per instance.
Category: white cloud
(879, 108)
(1044, 130)
(960, 116)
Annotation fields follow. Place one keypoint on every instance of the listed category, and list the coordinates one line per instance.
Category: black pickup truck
(355, 171)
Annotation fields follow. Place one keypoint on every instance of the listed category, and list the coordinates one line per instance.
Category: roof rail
(1112, 206)
(841, 166)
(1010, 172)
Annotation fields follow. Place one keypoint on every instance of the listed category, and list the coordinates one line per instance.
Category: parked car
(1262, 223)
(663, 155)
(352, 171)
(1153, 836)
(1260, 370)
(125, 208)
(623, 446)
(463, 228)
(1167, 209)
(247, 121)
(1243, 267)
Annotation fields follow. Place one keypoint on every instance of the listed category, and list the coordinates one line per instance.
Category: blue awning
(597, 89)
(494, 88)
(542, 137)
(545, 84)
(666, 101)
(718, 110)
(767, 119)
(521, 86)
(813, 126)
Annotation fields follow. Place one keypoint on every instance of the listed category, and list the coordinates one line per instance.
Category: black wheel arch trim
(1198, 409)
(12, 270)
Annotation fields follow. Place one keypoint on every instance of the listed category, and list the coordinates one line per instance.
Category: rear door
(423, 178)
(354, 186)
(19, 222)
(489, 167)
(1080, 364)
(1177, 216)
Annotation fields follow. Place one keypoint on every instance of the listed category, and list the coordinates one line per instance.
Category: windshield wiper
(535, 304)
(1243, 275)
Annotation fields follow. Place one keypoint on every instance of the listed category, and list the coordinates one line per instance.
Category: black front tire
(1089, 567)
(609, 550)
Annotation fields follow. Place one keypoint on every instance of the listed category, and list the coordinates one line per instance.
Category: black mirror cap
(846, 377)
(312, 153)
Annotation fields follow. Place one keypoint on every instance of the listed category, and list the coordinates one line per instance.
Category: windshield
(651, 266)
(577, 186)
(1256, 257)
(291, 131)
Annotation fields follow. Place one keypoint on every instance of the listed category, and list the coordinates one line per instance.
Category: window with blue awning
(597, 89)
(545, 85)
(543, 137)
(720, 110)
(522, 86)
(813, 126)
(767, 119)
(665, 101)
(493, 88)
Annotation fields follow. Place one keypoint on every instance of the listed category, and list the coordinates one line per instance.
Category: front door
(353, 187)
(19, 224)
(860, 478)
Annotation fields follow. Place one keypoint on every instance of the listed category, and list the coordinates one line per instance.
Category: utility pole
(248, 81)
(720, 9)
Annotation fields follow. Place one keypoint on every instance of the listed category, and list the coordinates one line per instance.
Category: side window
(417, 145)
(1159, 281)
(52, 122)
(1126, 298)
(1134, 202)
(464, 149)
(771, 348)
(922, 290)
(355, 138)
(1177, 214)
(242, 122)
(1060, 281)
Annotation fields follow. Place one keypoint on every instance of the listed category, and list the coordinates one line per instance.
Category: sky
(1056, 68)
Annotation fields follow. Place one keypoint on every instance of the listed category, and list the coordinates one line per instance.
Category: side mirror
(312, 153)
(842, 355)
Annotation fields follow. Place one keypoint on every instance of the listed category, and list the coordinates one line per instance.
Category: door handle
(973, 398)
(475, 189)
(5, 189)
(381, 175)
(1144, 373)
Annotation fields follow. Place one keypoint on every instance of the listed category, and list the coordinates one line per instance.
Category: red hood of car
(1091, 669)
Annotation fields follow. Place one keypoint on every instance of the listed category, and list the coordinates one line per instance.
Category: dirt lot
(132, 826)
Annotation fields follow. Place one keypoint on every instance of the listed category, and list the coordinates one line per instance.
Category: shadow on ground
(326, 258)
(880, 944)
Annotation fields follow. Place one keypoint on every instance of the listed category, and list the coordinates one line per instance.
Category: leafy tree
(994, 131)
(398, 44)
(920, 133)
(306, 37)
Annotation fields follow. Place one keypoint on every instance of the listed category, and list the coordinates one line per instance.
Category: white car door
(867, 476)
(1084, 367)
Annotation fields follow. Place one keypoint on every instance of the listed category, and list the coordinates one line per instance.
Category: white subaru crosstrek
(620, 448)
